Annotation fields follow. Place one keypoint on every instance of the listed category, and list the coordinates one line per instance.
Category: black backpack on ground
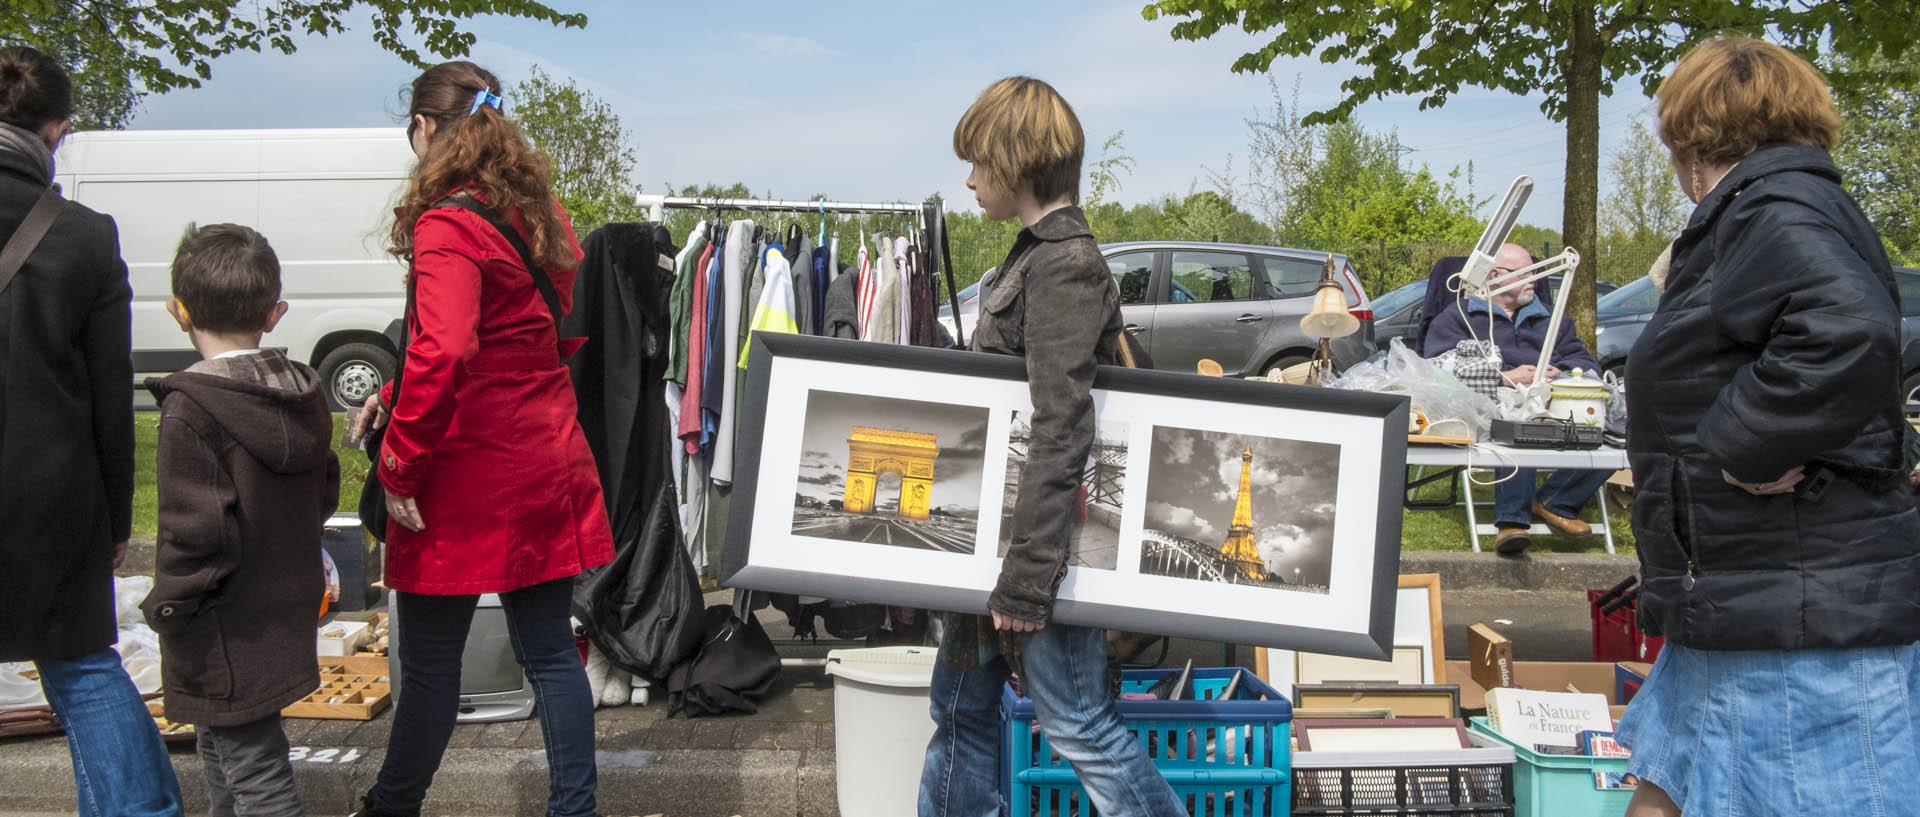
(735, 667)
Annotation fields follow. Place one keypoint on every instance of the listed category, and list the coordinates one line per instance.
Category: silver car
(1237, 304)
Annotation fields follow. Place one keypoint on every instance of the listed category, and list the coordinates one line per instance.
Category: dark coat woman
(1779, 544)
(66, 412)
(66, 456)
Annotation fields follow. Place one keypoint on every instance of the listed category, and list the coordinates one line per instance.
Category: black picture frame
(1381, 416)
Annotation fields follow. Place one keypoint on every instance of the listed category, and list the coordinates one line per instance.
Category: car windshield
(1398, 299)
(1637, 298)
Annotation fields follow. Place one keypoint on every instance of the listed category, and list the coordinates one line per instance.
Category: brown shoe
(1570, 527)
(1512, 541)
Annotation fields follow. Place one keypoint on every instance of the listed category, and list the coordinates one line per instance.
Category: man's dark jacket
(1775, 345)
(1519, 337)
(247, 479)
(66, 428)
(1056, 305)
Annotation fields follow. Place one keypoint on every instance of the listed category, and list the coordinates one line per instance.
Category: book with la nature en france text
(1530, 717)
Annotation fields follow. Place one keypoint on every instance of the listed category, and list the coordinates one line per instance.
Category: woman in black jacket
(66, 456)
(1779, 545)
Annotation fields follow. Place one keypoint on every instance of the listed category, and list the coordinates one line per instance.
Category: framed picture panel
(1417, 623)
(1248, 512)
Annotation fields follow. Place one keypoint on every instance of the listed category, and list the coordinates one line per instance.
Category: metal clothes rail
(657, 205)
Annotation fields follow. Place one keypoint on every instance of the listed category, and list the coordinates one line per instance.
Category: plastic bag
(16, 689)
(128, 592)
(1450, 406)
(139, 645)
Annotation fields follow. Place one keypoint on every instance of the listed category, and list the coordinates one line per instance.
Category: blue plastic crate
(1225, 758)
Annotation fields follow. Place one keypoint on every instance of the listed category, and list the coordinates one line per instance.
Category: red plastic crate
(1617, 636)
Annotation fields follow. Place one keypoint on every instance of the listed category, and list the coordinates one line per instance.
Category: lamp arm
(1566, 262)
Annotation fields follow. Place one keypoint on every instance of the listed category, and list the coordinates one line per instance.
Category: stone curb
(1533, 571)
(497, 781)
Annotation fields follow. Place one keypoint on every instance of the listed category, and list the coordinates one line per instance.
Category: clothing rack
(657, 206)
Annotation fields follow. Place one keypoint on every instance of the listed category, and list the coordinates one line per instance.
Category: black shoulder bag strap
(937, 216)
(540, 279)
(33, 228)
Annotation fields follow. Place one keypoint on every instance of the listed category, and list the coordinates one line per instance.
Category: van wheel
(353, 372)
(1911, 387)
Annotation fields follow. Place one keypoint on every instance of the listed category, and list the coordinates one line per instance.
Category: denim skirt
(1800, 732)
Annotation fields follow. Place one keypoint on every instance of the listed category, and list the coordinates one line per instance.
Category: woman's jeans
(120, 767)
(432, 632)
(1067, 679)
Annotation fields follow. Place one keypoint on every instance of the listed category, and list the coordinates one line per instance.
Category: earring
(1694, 175)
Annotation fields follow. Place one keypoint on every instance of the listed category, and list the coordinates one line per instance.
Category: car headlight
(1599, 330)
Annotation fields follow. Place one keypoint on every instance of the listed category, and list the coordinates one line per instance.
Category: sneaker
(1512, 541)
(1570, 527)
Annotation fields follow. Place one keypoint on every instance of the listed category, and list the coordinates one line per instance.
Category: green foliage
(1645, 203)
(1879, 151)
(1571, 52)
(105, 92)
(123, 49)
(592, 160)
(1433, 49)
(1354, 196)
(1103, 178)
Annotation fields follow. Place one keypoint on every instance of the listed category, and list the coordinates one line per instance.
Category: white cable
(1513, 466)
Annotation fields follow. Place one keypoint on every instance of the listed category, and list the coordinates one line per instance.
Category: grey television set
(492, 686)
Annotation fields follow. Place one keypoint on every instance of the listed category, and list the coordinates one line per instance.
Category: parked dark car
(1238, 305)
(1618, 319)
(1624, 313)
(1908, 280)
(1397, 313)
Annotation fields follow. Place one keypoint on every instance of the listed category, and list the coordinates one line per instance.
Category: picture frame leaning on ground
(1249, 512)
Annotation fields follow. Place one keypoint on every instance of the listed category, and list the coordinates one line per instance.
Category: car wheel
(1911, 387)
(353, 372)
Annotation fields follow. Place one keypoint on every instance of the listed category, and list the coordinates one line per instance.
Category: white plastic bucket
(880, 727)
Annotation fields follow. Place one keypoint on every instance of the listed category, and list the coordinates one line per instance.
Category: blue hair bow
(486, 97)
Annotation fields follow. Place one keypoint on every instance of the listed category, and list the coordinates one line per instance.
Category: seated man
(1519, 324)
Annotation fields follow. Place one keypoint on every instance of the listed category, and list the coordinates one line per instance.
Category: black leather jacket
(1776, 345)
(1055, 304)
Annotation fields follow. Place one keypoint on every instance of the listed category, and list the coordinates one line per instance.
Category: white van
(323, 198)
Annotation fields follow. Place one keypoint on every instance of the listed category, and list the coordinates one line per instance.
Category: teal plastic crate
(1224, 758)
(1560, 785)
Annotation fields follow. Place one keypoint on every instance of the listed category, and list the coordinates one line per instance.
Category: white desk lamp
(1473, 279)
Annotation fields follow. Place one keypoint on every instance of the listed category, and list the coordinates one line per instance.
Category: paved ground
(781, 761)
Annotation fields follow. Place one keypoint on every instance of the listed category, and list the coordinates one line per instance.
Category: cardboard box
(341, 638)
(1557, 676)
(1490, 655)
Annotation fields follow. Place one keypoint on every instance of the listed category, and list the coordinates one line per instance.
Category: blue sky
(857, 100)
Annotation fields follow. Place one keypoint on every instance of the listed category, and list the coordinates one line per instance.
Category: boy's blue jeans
(120, 767)
(1067, 679)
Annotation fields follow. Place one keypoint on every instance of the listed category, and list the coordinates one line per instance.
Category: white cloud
(783, 45)
(1180, 521)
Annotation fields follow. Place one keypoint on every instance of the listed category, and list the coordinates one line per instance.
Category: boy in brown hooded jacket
(247, 479)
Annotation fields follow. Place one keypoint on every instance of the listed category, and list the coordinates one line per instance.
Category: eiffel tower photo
(1240, 509)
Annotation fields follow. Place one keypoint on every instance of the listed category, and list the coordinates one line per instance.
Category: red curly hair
(482, 151)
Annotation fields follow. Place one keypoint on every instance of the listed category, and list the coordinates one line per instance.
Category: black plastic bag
(643, 609)
(735, 668)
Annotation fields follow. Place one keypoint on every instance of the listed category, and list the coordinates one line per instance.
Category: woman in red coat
(490, 484)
